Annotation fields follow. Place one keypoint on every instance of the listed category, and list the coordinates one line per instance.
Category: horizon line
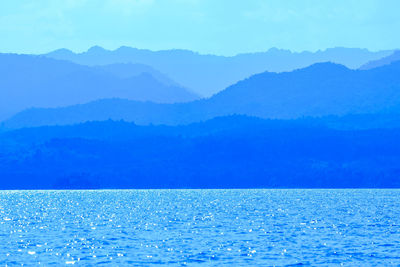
(271, 49)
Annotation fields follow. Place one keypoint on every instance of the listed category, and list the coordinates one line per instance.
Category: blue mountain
(226, 152)
(36, 81)
(128, 70)
(323, 89)
(382, 62)
(209, 74)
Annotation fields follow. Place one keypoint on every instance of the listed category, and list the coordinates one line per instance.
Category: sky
(222, 27)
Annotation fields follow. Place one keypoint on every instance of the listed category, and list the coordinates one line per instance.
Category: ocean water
(200, 227)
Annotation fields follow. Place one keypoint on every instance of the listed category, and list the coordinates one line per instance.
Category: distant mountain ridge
(382, 62)
(322, 89)
(209, 74)
(36, 81)
(128, 70)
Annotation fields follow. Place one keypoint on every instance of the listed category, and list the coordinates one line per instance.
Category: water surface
(209, 227)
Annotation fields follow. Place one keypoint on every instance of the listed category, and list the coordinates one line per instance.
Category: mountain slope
(128, 70)
(209, 74)
(382, 62)
(32, 81)
(319, 90)
(229, 152)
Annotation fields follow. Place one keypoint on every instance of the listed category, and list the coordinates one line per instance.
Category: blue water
(209, 227)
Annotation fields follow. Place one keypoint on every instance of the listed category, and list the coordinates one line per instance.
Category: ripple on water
(212, 227)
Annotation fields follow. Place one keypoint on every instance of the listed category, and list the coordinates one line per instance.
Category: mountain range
(382, 61)
(209, 74)
(129, 119)
(322, 89)
(225, 152)
(36, 81)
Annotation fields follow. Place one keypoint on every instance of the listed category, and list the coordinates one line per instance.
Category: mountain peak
(96, 49)
(274, 50)
(395, 56)
(125, 49)
(325, 67)
(61, 52)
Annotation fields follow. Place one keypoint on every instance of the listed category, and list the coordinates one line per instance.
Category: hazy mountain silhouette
(128, 70)
(322, 89)
(383, 61)
(228, 152)
(34, 81)
(209, 74)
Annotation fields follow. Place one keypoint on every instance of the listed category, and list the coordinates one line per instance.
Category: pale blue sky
(208, 26)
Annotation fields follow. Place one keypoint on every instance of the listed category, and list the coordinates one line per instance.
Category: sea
(260, 227)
